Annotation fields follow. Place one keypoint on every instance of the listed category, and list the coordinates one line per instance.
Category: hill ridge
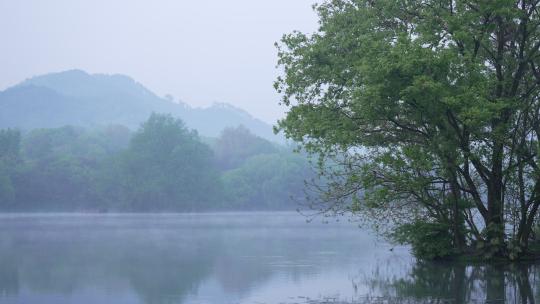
(75, 97)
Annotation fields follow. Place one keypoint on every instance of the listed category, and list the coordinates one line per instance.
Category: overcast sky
(199, 51)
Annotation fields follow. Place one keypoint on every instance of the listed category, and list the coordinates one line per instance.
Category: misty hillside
(77, 98)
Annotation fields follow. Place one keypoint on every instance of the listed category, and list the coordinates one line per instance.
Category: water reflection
(230, 258)
(159, 258)
(446, 282)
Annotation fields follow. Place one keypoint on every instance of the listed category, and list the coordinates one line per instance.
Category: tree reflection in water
(231, 258)
(456, 282)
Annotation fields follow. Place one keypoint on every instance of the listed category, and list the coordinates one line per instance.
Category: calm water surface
(230, 258)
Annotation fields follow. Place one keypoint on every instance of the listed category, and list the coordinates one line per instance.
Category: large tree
(235, 145)
(167, 167)
(427, 114)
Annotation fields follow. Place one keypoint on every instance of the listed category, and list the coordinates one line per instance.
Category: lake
(231, 258)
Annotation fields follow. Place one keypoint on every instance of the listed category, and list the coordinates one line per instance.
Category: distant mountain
(77, 98)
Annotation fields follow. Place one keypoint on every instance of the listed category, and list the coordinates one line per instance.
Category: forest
(161, 166)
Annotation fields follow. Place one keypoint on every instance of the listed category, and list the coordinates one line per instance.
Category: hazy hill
(77, 98)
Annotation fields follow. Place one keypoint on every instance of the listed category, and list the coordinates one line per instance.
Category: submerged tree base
(424, 115)
(449, 282)
(481, 257)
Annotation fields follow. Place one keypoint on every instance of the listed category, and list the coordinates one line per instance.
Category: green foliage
(167, 167)
(267, 181)
(9, 146)
(428, 240)
(163, 166)
(426, 109)
(235, 145)
(9, 159)
(61, 166)
(7, 191)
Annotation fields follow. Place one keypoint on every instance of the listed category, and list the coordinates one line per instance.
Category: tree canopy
(166, 164)
(9, 158)
(267, 181)
(162, 166)
(426, 118)
(235, 145)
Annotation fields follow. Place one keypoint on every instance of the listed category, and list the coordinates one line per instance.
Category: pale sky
(199, 51)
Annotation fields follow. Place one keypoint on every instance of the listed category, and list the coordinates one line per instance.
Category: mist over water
(227, 258)
(153, 152)
(173, 258)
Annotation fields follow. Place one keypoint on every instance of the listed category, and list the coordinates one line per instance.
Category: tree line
(162, 166)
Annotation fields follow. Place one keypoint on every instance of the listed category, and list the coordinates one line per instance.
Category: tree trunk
(495, 227)
(458, 221)
(495, 288)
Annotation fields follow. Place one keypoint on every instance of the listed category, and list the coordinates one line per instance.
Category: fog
(230, 258)
(141, 161)
(197, 51)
